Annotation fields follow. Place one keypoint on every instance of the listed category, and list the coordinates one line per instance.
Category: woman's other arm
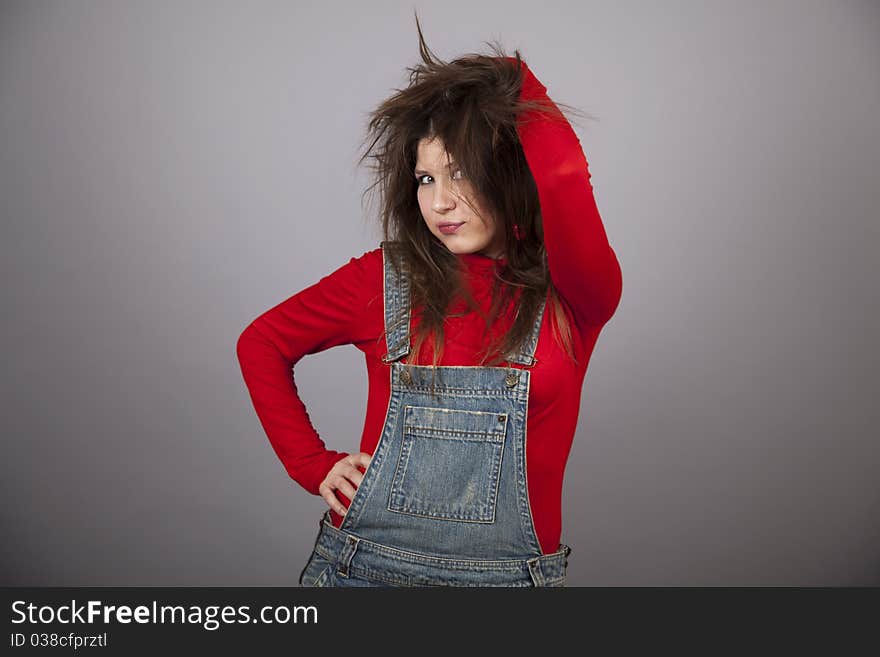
(321, 316)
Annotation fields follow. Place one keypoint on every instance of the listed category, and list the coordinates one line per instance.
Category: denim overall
(444, 500)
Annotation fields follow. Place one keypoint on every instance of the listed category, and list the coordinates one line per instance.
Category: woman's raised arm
(583, 266)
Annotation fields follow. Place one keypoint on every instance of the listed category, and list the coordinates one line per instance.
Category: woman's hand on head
(345, 477)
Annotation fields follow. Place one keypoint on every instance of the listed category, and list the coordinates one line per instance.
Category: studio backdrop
(170, 170)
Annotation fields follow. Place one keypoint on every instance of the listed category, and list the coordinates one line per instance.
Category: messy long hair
(472, 104)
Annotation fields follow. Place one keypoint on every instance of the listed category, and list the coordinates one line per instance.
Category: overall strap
(526, 354)
(397, 306)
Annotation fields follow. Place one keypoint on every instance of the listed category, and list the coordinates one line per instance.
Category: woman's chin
(458, 246)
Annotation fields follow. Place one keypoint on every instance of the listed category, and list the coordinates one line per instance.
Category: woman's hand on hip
(342, 475)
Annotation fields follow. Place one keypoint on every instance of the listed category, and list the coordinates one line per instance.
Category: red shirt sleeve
(321, 316)
(583, 266)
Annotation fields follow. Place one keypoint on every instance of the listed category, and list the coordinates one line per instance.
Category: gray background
(168, 171)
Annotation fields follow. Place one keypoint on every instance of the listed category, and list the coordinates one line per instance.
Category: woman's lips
(448, 229)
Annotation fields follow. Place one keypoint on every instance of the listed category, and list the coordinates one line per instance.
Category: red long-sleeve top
(345, 307)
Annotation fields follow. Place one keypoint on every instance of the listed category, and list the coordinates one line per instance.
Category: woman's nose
(443, 199)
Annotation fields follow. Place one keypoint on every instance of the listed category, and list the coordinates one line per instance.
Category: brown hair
(471, 104)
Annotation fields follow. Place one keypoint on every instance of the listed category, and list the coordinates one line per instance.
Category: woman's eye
(454, 176)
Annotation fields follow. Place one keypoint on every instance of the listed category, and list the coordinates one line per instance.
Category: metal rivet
(405, 376)
(511, 379)
(501, 418)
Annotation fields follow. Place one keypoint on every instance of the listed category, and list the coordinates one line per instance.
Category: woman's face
(446, 197)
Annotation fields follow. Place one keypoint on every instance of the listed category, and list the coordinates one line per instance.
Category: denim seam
(532, 537)
(461, 564)
(458, 392)
(431, 432)
(372, 574)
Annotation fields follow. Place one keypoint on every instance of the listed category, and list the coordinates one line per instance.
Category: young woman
(477, 316)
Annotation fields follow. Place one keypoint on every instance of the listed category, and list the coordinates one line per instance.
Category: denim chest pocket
(449, 464)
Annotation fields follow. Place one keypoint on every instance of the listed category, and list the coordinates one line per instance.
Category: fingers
(363, 460)
(344, 486)
(332, 501)
(356, 477)
(344, 477)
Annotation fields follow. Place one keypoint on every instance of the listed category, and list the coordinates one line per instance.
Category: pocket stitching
(491, 438)
(322, 578)
(313, 580)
